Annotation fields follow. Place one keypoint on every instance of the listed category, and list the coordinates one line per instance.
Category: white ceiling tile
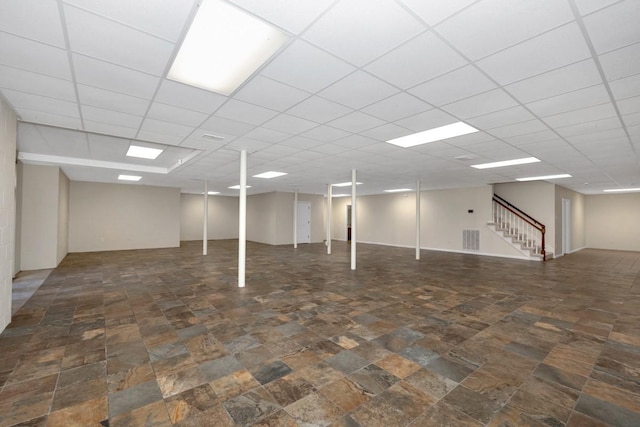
(491, 25)
(170, 113)
(622, 62)
(397, 107)
(501, 118)
(37, 84)
(30, 140)
(49, 119)
(22, 100)
(470, 139)
(111, 77)
(565, 79)
(595, 133)
(426, 120)
(481, 104)
(358, 90)
(244, 112)
(219, 125)
(433, 12)
(375, 31)
(356, 122)
(353, 142)
(189, 97)
(34, 19)
(554, 49)
(270, 94)
(629, 105)
(159, 137)
(330, 149)
(590, 128)
(289, 124)
(267, 135)
(114, 101)
(103, 39)
(163, 18)
(199, 143)
(159, 126)
(626, 87)
(631, 119)
(386, 132)
(575, 100)
(291, 15)
(582, 115)
(64, 141)
(588, 6)
(325, 133)
(110, 117)
(33, 56)
(108, 129)
(319, 109)
(458, 84)
(615, 26)
(300, 142)
(416, 61)
(293, 64)
(515, 129)
(249, 145)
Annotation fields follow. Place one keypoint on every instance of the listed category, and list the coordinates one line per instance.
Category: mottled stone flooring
(164, 337)
(24, 285)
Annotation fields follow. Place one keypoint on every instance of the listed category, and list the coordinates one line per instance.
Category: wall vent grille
(471, 240)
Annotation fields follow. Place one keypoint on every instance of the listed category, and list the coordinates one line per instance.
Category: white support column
(329, 217)
(295, 219)
(418, 219)
(354, 219)
(205, 219)
(242, 222)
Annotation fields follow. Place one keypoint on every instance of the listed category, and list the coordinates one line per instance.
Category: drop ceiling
(555, 79)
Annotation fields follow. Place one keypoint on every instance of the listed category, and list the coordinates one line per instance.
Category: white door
(304, 222)
(566, 226)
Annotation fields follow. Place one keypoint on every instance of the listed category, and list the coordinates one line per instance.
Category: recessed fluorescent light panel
(270, 174)
(224, 47)
(513, 162)
(211, 193)
(545, 177)
(621, 190)
(345, 184)
(129, 178)
(237, 187)
(340, 195)
(432, 135)
(398, 190)
(143, 152)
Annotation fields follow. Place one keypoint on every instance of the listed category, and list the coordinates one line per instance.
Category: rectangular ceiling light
(143, 152)
(621, 190)
(224, 47)
(345, 184)
(545, 177)
(340, 195)
(432, 135)
(129, 178)
(269, 175)
(513, 162)
(398, 190)
(211, 193)
(237, 187)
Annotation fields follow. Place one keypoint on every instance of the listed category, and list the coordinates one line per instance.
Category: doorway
(566, 226)
(304, 222)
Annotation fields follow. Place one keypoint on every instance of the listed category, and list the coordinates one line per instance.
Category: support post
(242, 221)
(354, 219)
(295, 219)
(329, 217)
(418, 219)
(205, 219)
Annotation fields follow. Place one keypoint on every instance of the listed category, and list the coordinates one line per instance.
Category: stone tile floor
(164, 337)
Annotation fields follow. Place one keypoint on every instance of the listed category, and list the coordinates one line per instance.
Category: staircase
(519, 229)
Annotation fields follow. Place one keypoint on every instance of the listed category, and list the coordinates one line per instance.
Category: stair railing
(519, 225)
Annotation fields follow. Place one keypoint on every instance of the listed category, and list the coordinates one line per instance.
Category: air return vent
(471, 240)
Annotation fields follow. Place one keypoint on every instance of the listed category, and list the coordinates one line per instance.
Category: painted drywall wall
(63, 217)
(577, 235)
(105, 217)
(39, 225)
(536, 198)
(284, 217)
(612, 221)
(261, 218)
(8, 126)
(222, 222)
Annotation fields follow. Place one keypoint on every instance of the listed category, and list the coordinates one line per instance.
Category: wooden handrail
(526, 218)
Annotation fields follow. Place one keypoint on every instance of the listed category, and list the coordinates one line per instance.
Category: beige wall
(261, 218)
(104, 217)
(284, 219)
(578, 235)
(222, 222)
(40, 209)
(612, 221)
(536, 198)
(63, 217)
(8, 125)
